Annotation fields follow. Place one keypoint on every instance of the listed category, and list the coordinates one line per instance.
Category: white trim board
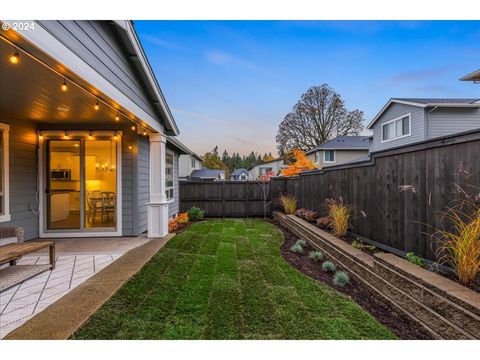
(6, 175)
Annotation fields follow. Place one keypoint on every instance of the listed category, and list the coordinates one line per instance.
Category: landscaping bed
(404, 327)
(443, 308)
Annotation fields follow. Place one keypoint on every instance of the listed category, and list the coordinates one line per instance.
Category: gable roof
(207, 173)
(426, 102)
(130, 39)
(238, 172)
(344, 143)
(265, 163)
(474, 76)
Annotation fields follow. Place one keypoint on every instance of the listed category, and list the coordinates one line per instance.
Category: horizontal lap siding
(446, 121)
(143, 183)
(394, 111)
(96, 43)
(23, 177)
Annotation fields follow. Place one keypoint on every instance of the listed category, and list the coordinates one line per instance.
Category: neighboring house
(474, 76)
(340, 150)
(256, 171)
(188, 163)
(404, 121)
(83, 133)
(207, 175)
(239, 175)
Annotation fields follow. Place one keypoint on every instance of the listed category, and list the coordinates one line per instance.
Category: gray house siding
(128, 185)
(446, 121)
(417, 126)
(96, 43)
(23, 177)
(143, 183)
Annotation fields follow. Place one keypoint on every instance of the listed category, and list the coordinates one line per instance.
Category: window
(317, 157)
(169, 175)
(329, 156)
(397, 128)
(193, 162)
(4, 171)
(263, 170)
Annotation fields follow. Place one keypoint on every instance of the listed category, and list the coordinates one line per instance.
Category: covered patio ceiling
(31, 89)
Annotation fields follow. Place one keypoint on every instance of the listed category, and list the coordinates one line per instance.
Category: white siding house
(340, 150)
(258, 170)
(188, 163)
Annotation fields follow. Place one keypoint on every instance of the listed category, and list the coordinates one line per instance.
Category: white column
(158, 206)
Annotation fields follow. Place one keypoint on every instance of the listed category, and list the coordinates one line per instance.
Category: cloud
(160, 42)
(420, 75)
(225, 59)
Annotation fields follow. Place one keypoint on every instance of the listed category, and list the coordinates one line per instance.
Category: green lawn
(226, 279)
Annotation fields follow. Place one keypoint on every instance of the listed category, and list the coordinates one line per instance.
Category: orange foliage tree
(301, 164)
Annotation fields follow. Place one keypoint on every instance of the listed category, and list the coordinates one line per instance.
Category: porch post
(158, 206)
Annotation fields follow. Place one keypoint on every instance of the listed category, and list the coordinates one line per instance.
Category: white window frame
(317, 157)
(5, 215)
(395, 137)
(170, 188)
(328, 161)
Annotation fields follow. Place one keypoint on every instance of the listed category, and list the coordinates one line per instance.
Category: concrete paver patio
(77, 261)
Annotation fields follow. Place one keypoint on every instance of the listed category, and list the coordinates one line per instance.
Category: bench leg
(13, 262)
(52, 257)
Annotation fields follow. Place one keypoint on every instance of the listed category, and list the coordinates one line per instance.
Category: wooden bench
(12, 252)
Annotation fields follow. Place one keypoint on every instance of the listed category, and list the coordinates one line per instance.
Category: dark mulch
(399, 323)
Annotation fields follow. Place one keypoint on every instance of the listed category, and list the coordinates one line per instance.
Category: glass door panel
(63, 184)
(100, 184)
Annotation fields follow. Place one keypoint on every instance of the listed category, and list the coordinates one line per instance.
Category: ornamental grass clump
(297, 248)
(341, 279)
(327, 266)
(289, 204)
(301, 242)
(460, 246)
(315, 255)
(339, 214)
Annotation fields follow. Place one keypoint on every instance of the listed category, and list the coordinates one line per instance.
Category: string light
(117, 118)
(144, 133)
(65, 136)
(40, 137)
(64, 86)
(90, 137)
(97, 106)
(130, 147)
(15, 58)
(133, 128)
(115, 137)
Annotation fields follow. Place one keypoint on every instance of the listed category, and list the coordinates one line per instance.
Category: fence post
(223, 199)
(248, 199)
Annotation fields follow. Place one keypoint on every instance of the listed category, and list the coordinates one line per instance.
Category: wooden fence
(429, 172)
(224, 198)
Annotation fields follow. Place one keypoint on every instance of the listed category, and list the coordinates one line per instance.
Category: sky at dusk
(230, 83)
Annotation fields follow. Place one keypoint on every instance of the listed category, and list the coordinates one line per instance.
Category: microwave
(61, 174)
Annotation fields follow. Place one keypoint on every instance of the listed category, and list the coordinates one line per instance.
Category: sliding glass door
(81, 179)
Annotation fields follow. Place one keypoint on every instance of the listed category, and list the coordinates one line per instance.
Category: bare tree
(320, 115)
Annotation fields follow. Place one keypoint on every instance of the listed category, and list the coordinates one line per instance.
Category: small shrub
(339, 214)
(182, 218)
(323, 222)
(361, 246)
(301, 242)
(297, 248)
(414, 259)
(289, 204)
(173, 225)
(315, 255)
(195, 213)
(341, 279)
(328, 266)
(306, 214)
